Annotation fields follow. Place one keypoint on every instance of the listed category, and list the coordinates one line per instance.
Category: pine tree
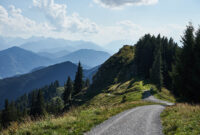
(156, 71)
(56, 105)
(40, 106)
(195, 80)
(78, 82)
(13, 111)
(183, 74)
(33, 110)
(6, 114)
(25, 112)
(56, 84)
(67, 95)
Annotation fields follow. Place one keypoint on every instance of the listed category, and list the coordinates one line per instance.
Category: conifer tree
(78, 82)
(56, 84)
(13, 111)
(156, 71)
(183, 74)
(195, 80)
(67, 95)
(40, 106)
(6, 114)
(56, 105)
(33, 111)
(25, 113)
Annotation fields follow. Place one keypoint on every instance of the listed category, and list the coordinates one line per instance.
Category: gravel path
(148, 97)
(144, 120)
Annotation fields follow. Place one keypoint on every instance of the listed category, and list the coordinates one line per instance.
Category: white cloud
(13, 23)
(73, 26)
(57, 15)
(116, 4)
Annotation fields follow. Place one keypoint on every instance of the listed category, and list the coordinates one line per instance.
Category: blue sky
(99, 21)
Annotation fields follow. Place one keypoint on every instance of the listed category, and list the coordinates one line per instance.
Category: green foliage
(123, 99)
(186, 82)
(164, 94)
(38, 106)
(67, 95)
(9, 114)
(78, 82)
(55, 106)
(156, 75)
(155, 52)
(117, 68)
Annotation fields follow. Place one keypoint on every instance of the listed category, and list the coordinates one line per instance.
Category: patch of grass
(164, 94)
(181, 119)
(78, 120)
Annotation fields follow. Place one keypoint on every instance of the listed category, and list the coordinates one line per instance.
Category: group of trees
(34, 105)
(186, 71)
(166, 64)
(73, 88)
(43, 101)
(154, 57)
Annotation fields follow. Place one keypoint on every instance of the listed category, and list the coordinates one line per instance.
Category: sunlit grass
(164, 94)
(181, 119)
(77, 120)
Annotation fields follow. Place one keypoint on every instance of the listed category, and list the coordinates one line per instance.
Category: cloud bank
(57, 16)
(60, 24)
(13, 23)
(115, 4)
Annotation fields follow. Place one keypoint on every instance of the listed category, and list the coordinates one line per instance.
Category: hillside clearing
(77, 120)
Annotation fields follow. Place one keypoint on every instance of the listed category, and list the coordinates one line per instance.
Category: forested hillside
(11, 88)
(151, 59)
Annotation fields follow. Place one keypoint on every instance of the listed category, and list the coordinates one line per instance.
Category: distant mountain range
(54, 55)
(88, 57)
(14, 87)
(15, 60)
(57, 45)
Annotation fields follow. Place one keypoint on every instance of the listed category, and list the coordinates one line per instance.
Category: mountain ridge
(88, 57)
(16, 60)
(14, 87)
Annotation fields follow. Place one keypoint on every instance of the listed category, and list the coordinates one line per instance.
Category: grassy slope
(164, 94)
(81, 119)
(181, 119)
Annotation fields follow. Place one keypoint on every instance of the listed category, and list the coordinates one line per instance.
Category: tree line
(186, 71)
(154, 57)
(46, 100)
(168, 65)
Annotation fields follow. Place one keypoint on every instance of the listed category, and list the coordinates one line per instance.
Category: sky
(99, 21)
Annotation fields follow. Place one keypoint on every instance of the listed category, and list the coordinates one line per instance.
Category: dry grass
(181, 119)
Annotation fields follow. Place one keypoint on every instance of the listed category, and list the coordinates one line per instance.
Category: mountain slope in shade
(88, 57)
(16, 60)
(14, 87)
